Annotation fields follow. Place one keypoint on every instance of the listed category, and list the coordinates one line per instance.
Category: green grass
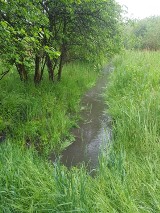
(42, 116)
(133, 97)
(28, 184)
(128, 178)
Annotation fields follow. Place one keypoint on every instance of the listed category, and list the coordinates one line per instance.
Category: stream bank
(94, 130)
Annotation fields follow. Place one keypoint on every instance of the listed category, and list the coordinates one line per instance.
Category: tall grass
(133, 96)
(28, 184)
(42, 116)
(128, 177)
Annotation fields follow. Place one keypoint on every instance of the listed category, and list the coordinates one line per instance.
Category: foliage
(25, 30)
(143, 34)
(50, 33)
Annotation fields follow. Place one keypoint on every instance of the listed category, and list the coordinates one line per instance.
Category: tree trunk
(50, 69)
(37, 74)
(42, 68)
(63, 50)
(60, 67)
(22, 71)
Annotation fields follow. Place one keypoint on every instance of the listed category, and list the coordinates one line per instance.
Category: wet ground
(94, 130)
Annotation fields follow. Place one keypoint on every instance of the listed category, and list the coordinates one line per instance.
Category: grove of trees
(143, 34)
(35, 34)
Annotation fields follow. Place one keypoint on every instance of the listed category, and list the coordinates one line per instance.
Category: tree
(24, 32)
(145, 34)
(83, 30)
(51, 33)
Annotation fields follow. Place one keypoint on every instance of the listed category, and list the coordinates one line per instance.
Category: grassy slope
(129, 176)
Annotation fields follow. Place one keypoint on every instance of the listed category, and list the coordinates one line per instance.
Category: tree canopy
(46, 33)
(143, 34)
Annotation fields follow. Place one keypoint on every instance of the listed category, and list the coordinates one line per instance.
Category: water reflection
(94, 130)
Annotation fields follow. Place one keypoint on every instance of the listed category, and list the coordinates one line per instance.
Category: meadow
(128, 176)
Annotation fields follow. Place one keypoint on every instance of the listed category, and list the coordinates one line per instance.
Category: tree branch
(3, 74)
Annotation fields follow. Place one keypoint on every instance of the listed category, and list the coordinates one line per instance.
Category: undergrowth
(41, 116)
(128, 177)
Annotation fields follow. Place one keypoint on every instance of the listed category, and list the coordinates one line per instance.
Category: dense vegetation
(37, 40)
(40, 33)
(128, 176)
(40, 37)
(42, 116)
(142, 34)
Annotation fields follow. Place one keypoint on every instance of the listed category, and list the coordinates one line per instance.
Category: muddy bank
(94, 129)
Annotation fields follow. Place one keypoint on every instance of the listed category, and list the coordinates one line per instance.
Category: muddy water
(94, 129)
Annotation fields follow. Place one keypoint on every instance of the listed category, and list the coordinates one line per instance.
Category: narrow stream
(94, 129)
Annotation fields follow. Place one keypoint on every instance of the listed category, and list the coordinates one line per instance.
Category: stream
(94, 130)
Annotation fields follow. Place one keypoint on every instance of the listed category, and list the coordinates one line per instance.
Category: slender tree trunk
(50, 69)
(63, 50)
(22, 71)
(60, 67)
(37, 74)
(42, 69)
